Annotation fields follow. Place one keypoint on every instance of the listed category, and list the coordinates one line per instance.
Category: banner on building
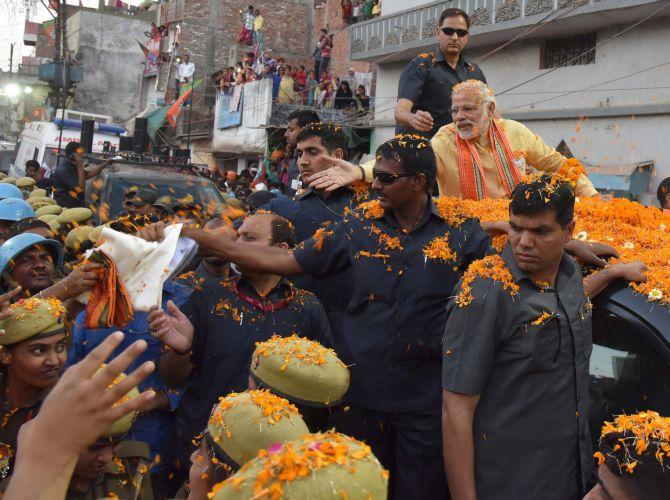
(47, 33)
(151, 51)
(230, 108)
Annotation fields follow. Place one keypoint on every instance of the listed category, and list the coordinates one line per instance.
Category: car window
(203, 192)
(628, 373)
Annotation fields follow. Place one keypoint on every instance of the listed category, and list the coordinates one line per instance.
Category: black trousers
(408, 444)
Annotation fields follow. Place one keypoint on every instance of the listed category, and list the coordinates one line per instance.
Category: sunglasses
(386, 178)
(459, 32)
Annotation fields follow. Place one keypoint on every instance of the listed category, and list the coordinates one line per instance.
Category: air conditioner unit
(81, 115)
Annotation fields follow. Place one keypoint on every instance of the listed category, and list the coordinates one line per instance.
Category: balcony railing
(29, 69)
(415, 28)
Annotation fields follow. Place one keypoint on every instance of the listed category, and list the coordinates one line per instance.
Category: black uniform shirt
(392, 328)
(66, 186)
(227, 326)
(427, 81)
(531, 371)
(309, 212)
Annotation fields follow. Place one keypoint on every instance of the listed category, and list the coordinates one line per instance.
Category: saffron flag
(175, 109)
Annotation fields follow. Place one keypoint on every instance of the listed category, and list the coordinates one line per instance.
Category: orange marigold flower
(492, 267)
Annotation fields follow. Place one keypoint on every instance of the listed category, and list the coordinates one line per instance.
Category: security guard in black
(424, 90)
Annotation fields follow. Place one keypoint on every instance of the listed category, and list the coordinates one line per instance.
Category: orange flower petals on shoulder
(492, 267)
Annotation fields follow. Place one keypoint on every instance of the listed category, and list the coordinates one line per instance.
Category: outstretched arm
(598, 281)
(274, 260)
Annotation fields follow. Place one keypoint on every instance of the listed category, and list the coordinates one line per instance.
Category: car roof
(135, 171)
(653, 314)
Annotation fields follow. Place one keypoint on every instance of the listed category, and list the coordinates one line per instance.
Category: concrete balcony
(400, 36)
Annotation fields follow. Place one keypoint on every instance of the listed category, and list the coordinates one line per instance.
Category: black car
(630, 363)
(105, 192)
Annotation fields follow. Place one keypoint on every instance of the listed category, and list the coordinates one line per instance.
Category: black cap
(144, 197)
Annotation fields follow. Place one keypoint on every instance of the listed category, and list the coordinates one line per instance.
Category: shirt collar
(439, 57)
(564, 269)
(304, 193)
(432, 210)
(244, 285)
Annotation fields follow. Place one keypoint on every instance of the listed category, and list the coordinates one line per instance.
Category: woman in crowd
(312, 88)
(286, 92)
(343, 97)
(34, 350)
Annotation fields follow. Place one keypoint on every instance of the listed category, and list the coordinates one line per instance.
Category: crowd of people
(354, 335)
(297, 84)
(360, 10)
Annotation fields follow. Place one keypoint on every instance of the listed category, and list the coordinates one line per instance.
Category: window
(569, 51)
(629, 371)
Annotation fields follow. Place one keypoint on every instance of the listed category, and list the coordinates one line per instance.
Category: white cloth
(143, 266)
(186, 70)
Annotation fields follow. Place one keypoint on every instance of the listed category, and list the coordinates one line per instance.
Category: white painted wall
(393, 6)
(634, 51)
(603, 141)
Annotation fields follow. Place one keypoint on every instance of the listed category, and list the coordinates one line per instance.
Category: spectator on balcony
(362, 100)
(367, 9)
(359, 15)
(327, 84)
(268, 60)
(286, 92)
(247, 31)
(344, 98)
(186, 71)
(347, 11)
(377, 8)
(300, 85)
(249, 74)
(258, 27)
(312, 85)
(276, 82)
(351, 78)
(424, 90)
(326, 50)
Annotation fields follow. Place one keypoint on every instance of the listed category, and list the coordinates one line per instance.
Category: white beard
(477, 130)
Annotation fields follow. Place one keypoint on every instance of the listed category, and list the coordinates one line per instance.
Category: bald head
(268, 229)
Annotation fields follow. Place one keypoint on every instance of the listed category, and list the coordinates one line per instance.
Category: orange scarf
(110, 303)
(471, 169)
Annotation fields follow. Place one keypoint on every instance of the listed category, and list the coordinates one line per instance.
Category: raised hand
(171, 327)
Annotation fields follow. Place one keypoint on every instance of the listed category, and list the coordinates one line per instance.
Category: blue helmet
(9, 191)
(13, 247)
(13, 209)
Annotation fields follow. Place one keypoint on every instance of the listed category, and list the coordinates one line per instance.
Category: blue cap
(9, 191)
(18, 244)
(14, 210)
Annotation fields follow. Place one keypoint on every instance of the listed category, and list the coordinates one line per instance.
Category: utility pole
(60, 98)
(11, 56)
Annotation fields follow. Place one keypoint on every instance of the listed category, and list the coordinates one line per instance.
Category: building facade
(589, 75)
(105, 45)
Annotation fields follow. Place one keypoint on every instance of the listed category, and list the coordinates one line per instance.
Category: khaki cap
(48, 210)
(33, 318)
(77, 215)
(243, 423)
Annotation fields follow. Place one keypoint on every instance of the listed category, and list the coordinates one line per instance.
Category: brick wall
(329, 16)
(286, 29)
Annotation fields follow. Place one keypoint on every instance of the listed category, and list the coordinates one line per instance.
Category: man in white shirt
(185, 73)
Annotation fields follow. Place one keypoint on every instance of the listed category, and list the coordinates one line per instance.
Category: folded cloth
(143, 266)
(109, 303)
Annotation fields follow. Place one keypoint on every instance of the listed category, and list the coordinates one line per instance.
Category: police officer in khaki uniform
(34, 349)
